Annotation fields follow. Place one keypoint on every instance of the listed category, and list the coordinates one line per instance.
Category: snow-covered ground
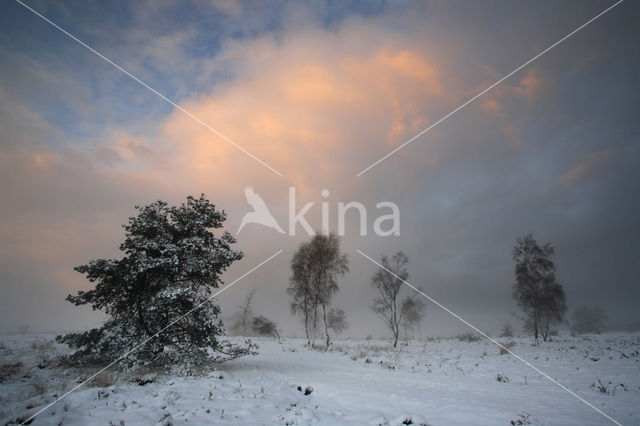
(437, 382)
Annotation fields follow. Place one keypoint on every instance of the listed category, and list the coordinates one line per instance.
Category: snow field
(440, 381)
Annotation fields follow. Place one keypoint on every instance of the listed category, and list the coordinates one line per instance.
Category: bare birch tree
(315, 268)
(389, 305)
(244, 315)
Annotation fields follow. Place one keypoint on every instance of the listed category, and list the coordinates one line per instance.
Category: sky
(319, 91)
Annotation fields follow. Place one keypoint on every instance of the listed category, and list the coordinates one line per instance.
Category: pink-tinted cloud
(586, 167)
(308, 112)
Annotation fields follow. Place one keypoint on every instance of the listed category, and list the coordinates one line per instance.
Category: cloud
(586, 167)
(311, 104)
(306, 111)
(319, 96)
(491, 105)
(530, 84)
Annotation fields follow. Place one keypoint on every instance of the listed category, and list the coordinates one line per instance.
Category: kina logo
(384, 225)
(260, 213)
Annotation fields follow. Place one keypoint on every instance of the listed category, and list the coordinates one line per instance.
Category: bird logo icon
(260, 213)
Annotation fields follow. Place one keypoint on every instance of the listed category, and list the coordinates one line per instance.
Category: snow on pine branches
(171, 263)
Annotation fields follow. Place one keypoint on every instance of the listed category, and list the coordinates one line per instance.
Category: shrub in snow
(103, 380)
(408, 420)
(522, 419)
(158, 294)
(504, 349)
(603, 388)
(263, 326)
(306, 391)
(587, 319)
(507, 330)
(144, 379)
(502, 378)
(9, 369)
(468, 337)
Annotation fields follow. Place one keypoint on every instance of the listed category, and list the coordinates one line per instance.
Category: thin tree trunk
(141, 320)
(315, 326)
(324, 318)
(396, 326)
(306, 327)
(545, 330)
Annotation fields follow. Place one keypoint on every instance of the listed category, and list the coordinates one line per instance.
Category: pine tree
(171, 263)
